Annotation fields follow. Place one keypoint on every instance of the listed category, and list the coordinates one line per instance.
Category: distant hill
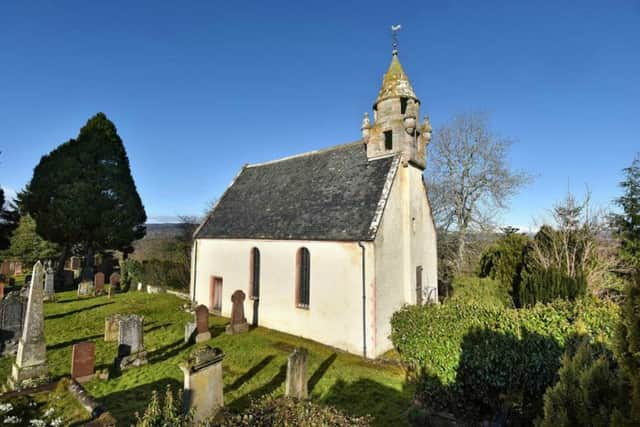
(162, 231)
(153, 245)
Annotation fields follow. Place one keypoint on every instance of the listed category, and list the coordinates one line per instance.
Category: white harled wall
(334, 316)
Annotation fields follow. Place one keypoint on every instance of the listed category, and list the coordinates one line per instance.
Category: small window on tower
(388, 140)
(403, 105)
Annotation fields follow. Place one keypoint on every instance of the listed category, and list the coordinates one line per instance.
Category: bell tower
(396, 125)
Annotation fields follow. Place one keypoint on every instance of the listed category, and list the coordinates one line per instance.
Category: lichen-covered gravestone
(238, 322)
(30, 367)
(114, 281)
(85, 289)
(98, 283)
(297, 374)
(49, 281)
(12, 311)
(131, 352)
(111, 327)
(203, 385)
(83, 360)
(202, 323)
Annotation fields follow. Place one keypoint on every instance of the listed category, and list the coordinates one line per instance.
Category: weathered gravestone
(238, 321)
(140, 286)
(189, 331)
(5, 268)
(202, 323)
(83, 360)
(111, 327)
(98, 282)
(114, 281)
(297, 374)
(12, 311)
(30, 367)
(131, 352)
(49, 280)
(85, 289)
(203, 385)
(1, 291)
(18, 268)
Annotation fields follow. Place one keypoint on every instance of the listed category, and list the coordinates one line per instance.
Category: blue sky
(198, 89)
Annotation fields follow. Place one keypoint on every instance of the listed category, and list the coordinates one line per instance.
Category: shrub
(504, 259)
(162, 273)
(547, 285)
(588, 392)
(482, 291)
(476, 361)
(271, 411)
(164, 412)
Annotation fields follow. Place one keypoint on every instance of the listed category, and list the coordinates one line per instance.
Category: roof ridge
(308, 153)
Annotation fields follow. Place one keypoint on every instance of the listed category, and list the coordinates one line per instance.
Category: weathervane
(394, 30)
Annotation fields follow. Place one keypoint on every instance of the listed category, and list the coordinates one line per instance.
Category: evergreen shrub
(482, 291)
(478, 361)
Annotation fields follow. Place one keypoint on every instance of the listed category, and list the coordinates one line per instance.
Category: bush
(482, 291)
(478, 361)
(547, 285)
(155, 272)
(271, 411)
(503, 260)
(588, 392)
(165, 412)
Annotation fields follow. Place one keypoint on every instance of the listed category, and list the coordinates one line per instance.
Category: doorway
(215, 294)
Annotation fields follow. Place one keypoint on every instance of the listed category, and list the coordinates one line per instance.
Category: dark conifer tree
(82, 193)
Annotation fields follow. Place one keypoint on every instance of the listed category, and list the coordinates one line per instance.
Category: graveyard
(254, 364)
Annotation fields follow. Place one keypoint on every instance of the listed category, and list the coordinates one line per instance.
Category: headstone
(140, 286)
(114, 281)
(30, 367)
(131, 352)
(67, 277)
(83, 360)
(203, 385)
(12, 311)
(297, 374)
(1, 291)
(238, 321)
(49, 280)
(98, 283)
(202, 323)
(111, 327)
(85, 289)
(76, 263)
(18, 269)
(189, 332)
(5, 268)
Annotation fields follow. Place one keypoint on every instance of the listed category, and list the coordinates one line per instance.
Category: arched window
(302, 277)
(254, 275)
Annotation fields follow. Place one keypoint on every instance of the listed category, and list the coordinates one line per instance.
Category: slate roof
(332, 194)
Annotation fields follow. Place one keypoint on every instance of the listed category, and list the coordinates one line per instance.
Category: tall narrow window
(255, 273)
(403, 105)
(302, 279)
(388, 140)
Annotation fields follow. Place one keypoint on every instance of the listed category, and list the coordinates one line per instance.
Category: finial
(394, 31)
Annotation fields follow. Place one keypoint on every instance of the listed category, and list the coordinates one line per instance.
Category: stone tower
(396, 120)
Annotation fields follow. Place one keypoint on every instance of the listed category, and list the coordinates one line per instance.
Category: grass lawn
(255, 363)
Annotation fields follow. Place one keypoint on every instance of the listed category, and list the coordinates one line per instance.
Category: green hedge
(478, 361)
(155, 272)
(482, 291)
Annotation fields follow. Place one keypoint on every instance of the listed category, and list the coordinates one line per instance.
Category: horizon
(194, 100)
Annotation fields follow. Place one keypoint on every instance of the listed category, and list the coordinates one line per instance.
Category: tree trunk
(462, 237)
(61, 260)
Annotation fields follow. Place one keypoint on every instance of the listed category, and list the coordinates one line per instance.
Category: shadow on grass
(319, 373)
(125, 403)
(268, 388)
(386, 406)
(72, 342)
(155, 327)
(249, 374)
(168, 351)
(72, 312)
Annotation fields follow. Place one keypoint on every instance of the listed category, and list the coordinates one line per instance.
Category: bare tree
(469, 179)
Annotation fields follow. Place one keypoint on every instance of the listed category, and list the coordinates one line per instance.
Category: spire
(395, 82)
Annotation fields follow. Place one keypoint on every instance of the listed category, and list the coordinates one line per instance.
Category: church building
(328, 244)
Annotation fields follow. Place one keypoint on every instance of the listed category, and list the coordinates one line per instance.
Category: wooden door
(215, 294)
